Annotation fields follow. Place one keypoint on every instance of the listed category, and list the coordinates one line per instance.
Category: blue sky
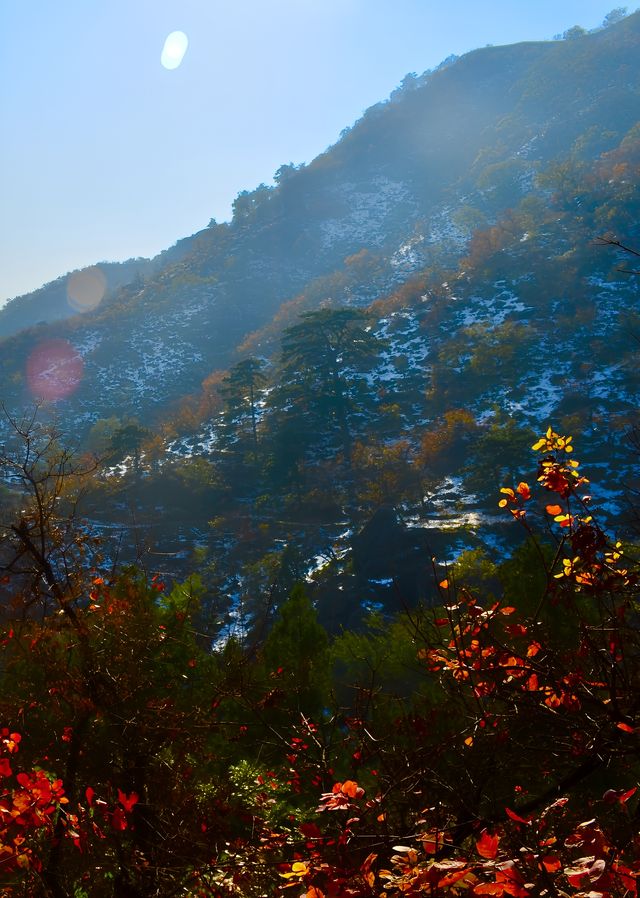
(106, 154)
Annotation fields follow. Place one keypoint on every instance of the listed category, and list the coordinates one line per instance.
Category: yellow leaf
(298, 869)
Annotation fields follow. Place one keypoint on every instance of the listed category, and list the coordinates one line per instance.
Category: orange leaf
(450, 878)
(489, 888)
(532, 683)
(313, 892)
(432, 841)
(487, 845)
(625, 727)
(366, 870)
(554, 509)
(627, 795)
(352, 789)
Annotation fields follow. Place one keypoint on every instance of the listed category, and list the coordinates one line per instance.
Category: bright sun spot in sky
(174, 49)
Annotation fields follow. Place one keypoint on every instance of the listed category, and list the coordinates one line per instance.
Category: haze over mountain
(302, 583)
(108, 155)
(449, 151)
(459, 217)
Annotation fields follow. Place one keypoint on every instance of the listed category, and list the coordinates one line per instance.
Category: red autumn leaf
(516, 630)
(509, 874)
(432, 841)
(128, 801)
(516, 817)
(10, 740)
(625, 727)
(554, 509)
(118, 820)
(627, 877)
(487, 845)
(5, 767)
(613, 796)
(310, 830)
(89, 793)
(551, 864)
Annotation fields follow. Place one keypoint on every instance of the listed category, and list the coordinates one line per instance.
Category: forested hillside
(409, 184)
(486, 745)
(366, 349)
(303, 590)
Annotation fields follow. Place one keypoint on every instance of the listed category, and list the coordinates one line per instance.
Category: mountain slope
(409, 183)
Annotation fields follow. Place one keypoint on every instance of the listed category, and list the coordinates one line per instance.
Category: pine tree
(324, 359)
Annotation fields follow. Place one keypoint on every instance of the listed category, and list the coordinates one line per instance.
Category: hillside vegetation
(303, 590)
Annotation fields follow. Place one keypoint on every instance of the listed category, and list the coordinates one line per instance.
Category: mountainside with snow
(455, 225)
(409, 183)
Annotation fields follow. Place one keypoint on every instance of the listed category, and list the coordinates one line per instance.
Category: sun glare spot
(54, 370)
(174, 49)
(85, 289)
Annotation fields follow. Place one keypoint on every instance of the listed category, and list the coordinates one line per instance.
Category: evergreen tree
(324, 359)
(298, 647)
(241, 390)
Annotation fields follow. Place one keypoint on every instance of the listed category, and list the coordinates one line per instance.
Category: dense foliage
(233, 661)
(484, 746)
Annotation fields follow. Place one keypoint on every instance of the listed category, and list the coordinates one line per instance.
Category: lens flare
(86, 288)
(54, 370)
(174, 49)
